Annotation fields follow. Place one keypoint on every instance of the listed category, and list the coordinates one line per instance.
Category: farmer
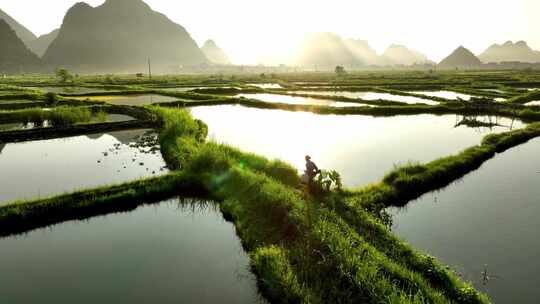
(311, 169)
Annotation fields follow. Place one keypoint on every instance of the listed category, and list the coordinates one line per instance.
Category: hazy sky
(250, 29)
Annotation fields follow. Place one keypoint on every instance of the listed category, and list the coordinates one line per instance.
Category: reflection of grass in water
(63, 116)
(292, 257)
(195, 206)
(105, 98)
(147, 143)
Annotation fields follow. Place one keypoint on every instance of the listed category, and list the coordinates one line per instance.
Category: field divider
(23, 216)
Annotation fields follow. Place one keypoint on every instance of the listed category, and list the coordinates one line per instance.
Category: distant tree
(51, 99)
(64, 75)
(340, 70)
(109, 78)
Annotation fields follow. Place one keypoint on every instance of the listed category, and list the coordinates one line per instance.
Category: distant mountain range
(22, 32)
(401, 55)
(509, 51)
(506, 53)
(214, 53)
(326, 50)
(120, 36)
(15, 57)
(40, 45)
(361, 50)
(460, 58)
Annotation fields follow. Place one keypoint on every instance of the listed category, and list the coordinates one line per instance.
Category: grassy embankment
(294, 240)
(485, 108)
(270, 216)
(68, 121)
(293, 246)
(525, 98)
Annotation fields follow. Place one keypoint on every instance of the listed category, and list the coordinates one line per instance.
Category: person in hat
(311, 169)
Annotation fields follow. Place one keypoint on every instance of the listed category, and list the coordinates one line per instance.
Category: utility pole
(149, 69)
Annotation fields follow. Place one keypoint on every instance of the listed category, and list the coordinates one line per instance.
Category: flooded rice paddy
(533, 103)
(485, 226)
(361, 148)
(47, 123)
(177, 251)
(14, 126)
(372, 96)
(445, 94)
(69, 90)
(131, 100)
(186, 89)
(42, 168)
(494, 90)
(455, 95)
(17, 101)
(297, 100)
(266, 85)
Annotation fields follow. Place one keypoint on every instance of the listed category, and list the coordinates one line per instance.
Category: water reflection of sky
(132, 100)
(276, 98)
(490, 217)
(372, 96)
(361, 148)
(48, 167)
(171, 252)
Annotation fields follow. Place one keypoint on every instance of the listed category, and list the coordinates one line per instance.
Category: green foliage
(340, 70)
(35, 116)
(219, 157)
(280, 282)
(328, 181)
(527, 97)
(23, 216)
(180, 135)
(51, 99)
(68, 116)
(65, 116)
(64, 75)
(100, 116)
(295, 240)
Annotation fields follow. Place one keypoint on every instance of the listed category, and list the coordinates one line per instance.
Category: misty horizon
(253, 37)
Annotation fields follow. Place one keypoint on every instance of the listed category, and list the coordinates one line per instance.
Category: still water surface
(361, 148)
(69, 90)
(445, 94)
(489, 218)
(48, 167)
(533, 103)
(46, 123)
(372, 96)
(131, 100)
(297, 100)
(266, 85)
(171, 252)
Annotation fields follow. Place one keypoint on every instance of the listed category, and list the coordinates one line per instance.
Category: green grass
(294, 241)
(525, 98)
(66, 121)
(468, 108)
(267, 212)
(23, 216)
(304, 248)
(59, 116)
